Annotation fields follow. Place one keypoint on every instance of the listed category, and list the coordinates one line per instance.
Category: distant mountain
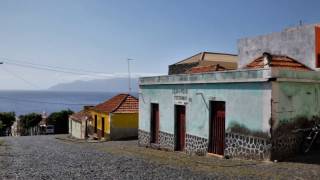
(106, 85)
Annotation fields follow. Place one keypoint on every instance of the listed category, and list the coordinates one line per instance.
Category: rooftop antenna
(300, 23)
(267, 58)
(129, 74)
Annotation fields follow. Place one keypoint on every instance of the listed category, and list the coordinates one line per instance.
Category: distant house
(15, 128)
(80, 124)
(116, 118)
(205, 62)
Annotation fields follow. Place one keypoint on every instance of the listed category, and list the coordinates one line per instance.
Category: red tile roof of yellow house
(277, 61)
(121, 103)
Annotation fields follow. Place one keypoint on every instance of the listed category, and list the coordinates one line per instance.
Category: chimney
(86, 108)
(267, 58)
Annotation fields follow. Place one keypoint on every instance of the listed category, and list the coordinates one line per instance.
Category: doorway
(102, 127)
(180, 127)
(154, 123)
(217, 127)
(95, 124)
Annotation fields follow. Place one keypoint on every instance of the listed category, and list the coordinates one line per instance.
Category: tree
(60, 121)
(29, 120)
(6, 119)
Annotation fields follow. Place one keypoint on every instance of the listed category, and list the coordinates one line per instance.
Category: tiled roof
(210, 68)
(121, 103)
(278, 61)
(82, 115)
(210, 56)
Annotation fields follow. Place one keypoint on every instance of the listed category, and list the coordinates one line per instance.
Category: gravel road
(45, 157)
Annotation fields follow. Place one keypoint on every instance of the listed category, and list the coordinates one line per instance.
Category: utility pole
(129, 74)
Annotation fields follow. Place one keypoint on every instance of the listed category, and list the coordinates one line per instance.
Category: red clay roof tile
(278, 61)
(121, 103)
(82, 115)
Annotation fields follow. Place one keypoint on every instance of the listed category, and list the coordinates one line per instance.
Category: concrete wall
(124, 126)
(246, 103)
(101, 115)
(76, 129)
(295, 94)
(296, 99)
(298, 43)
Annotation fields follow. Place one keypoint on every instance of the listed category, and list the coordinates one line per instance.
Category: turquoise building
(252, 112)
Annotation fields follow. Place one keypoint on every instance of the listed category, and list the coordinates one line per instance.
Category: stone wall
(196, 145)
(247, 147)
(236, 145)
(166, 141)
(143, 138)
(286, 146)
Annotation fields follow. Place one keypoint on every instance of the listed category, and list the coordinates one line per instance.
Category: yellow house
(116, 118)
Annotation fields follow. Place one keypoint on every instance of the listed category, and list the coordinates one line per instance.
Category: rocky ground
(45, 157)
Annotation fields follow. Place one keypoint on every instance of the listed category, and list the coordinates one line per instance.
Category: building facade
(248, 113)
(116, 118)
(301, 43)
(251, 113)
(80, 124)
(208, 61)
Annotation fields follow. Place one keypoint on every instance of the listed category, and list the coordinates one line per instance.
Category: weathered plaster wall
(101, 115)
(298, 43)
(296, 99)
(246, 103)
(295, 102)
(76, 129)
(123, 125)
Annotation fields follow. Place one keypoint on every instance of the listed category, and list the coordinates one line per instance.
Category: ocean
(23, 102)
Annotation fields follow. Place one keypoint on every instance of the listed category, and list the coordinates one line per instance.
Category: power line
(55, 69)
(20, 77)
(43, 68)
(49, 66)
(42, 102)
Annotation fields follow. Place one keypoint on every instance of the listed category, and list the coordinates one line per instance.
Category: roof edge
(204, 52)
(123, 100)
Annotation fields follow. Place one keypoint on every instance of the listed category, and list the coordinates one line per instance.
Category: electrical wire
(56, 70)
(25, 64)
(49, 66)
(20, 77)
(43, 68)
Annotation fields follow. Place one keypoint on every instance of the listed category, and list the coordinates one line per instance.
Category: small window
(318, 60)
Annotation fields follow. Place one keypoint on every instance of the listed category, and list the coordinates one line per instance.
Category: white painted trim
(208, 81)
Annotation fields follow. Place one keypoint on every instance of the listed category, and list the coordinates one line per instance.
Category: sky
(99, 35)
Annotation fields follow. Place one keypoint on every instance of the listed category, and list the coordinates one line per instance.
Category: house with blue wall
(250, 112)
